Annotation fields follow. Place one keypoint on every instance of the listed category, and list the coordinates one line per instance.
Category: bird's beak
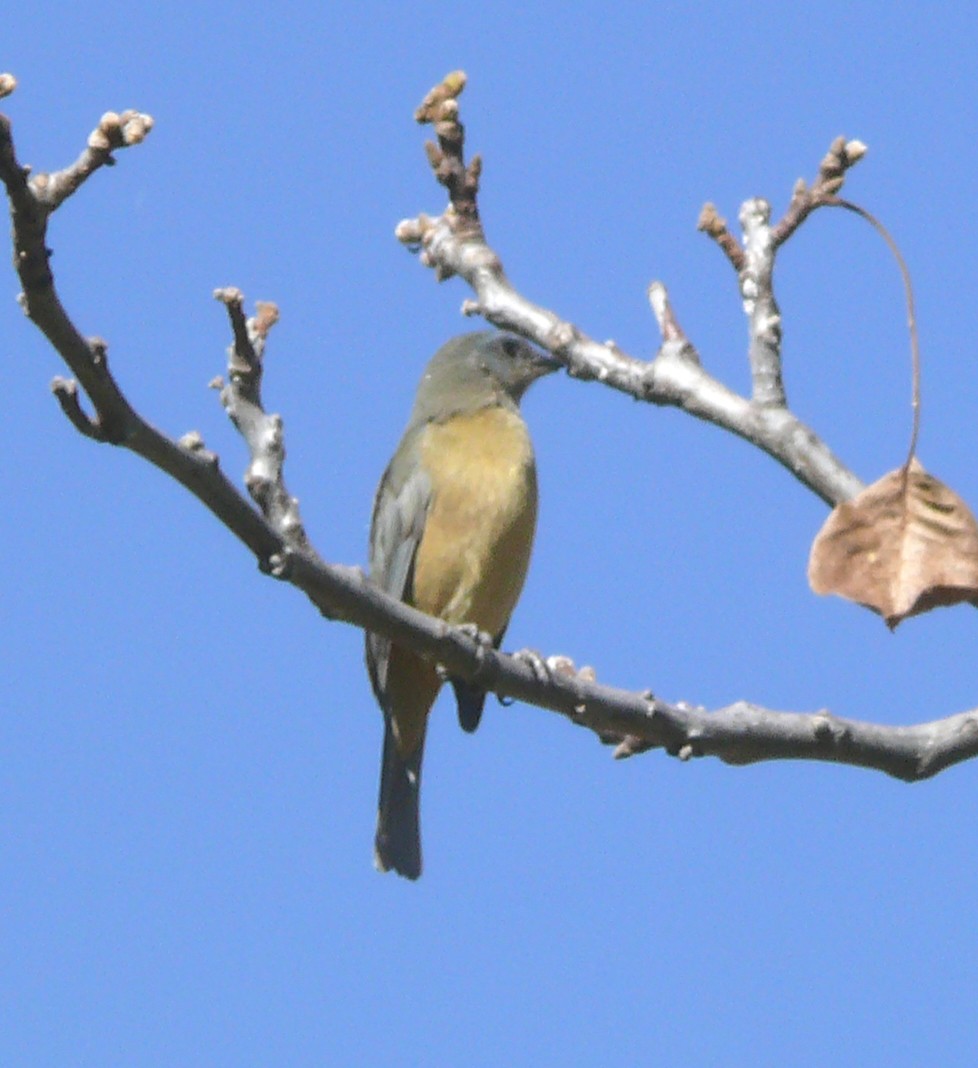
(543, 364)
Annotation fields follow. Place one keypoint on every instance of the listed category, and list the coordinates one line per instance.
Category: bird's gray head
(478, 370)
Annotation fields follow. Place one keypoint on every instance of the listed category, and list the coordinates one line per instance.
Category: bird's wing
(400, 511)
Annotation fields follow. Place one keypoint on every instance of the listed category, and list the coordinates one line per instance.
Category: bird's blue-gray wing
(399, 515)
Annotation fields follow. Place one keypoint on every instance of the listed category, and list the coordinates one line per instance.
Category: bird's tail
(397, 845)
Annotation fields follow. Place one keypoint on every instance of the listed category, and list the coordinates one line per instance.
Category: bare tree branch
(264, 434)
(32, 201)
(757, 290)
(741, 733)
(454, 243)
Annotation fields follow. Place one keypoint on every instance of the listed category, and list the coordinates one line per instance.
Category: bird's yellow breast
(475, 551)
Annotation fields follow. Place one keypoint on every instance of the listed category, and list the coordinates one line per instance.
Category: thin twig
(842, 155)
(264, 434)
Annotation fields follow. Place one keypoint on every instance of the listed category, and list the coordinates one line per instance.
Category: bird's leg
(485, 644)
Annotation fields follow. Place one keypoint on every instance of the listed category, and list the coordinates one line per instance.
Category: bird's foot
(540, 667)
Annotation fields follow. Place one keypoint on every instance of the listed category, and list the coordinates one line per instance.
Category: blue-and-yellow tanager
(451, 534)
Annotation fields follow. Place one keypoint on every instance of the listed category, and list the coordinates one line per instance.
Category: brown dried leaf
(905, 545)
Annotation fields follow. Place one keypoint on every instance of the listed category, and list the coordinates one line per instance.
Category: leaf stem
(911, 314)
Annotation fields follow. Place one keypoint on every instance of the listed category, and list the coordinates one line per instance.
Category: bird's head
(479, 370)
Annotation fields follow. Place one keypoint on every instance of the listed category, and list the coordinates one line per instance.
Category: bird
(451, 534)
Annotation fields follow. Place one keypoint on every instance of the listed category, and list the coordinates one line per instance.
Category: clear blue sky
(189, 755)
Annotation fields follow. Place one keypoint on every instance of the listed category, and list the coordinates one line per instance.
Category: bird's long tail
(397, 845)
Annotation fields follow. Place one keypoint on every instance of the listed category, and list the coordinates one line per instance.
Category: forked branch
(675, 375)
